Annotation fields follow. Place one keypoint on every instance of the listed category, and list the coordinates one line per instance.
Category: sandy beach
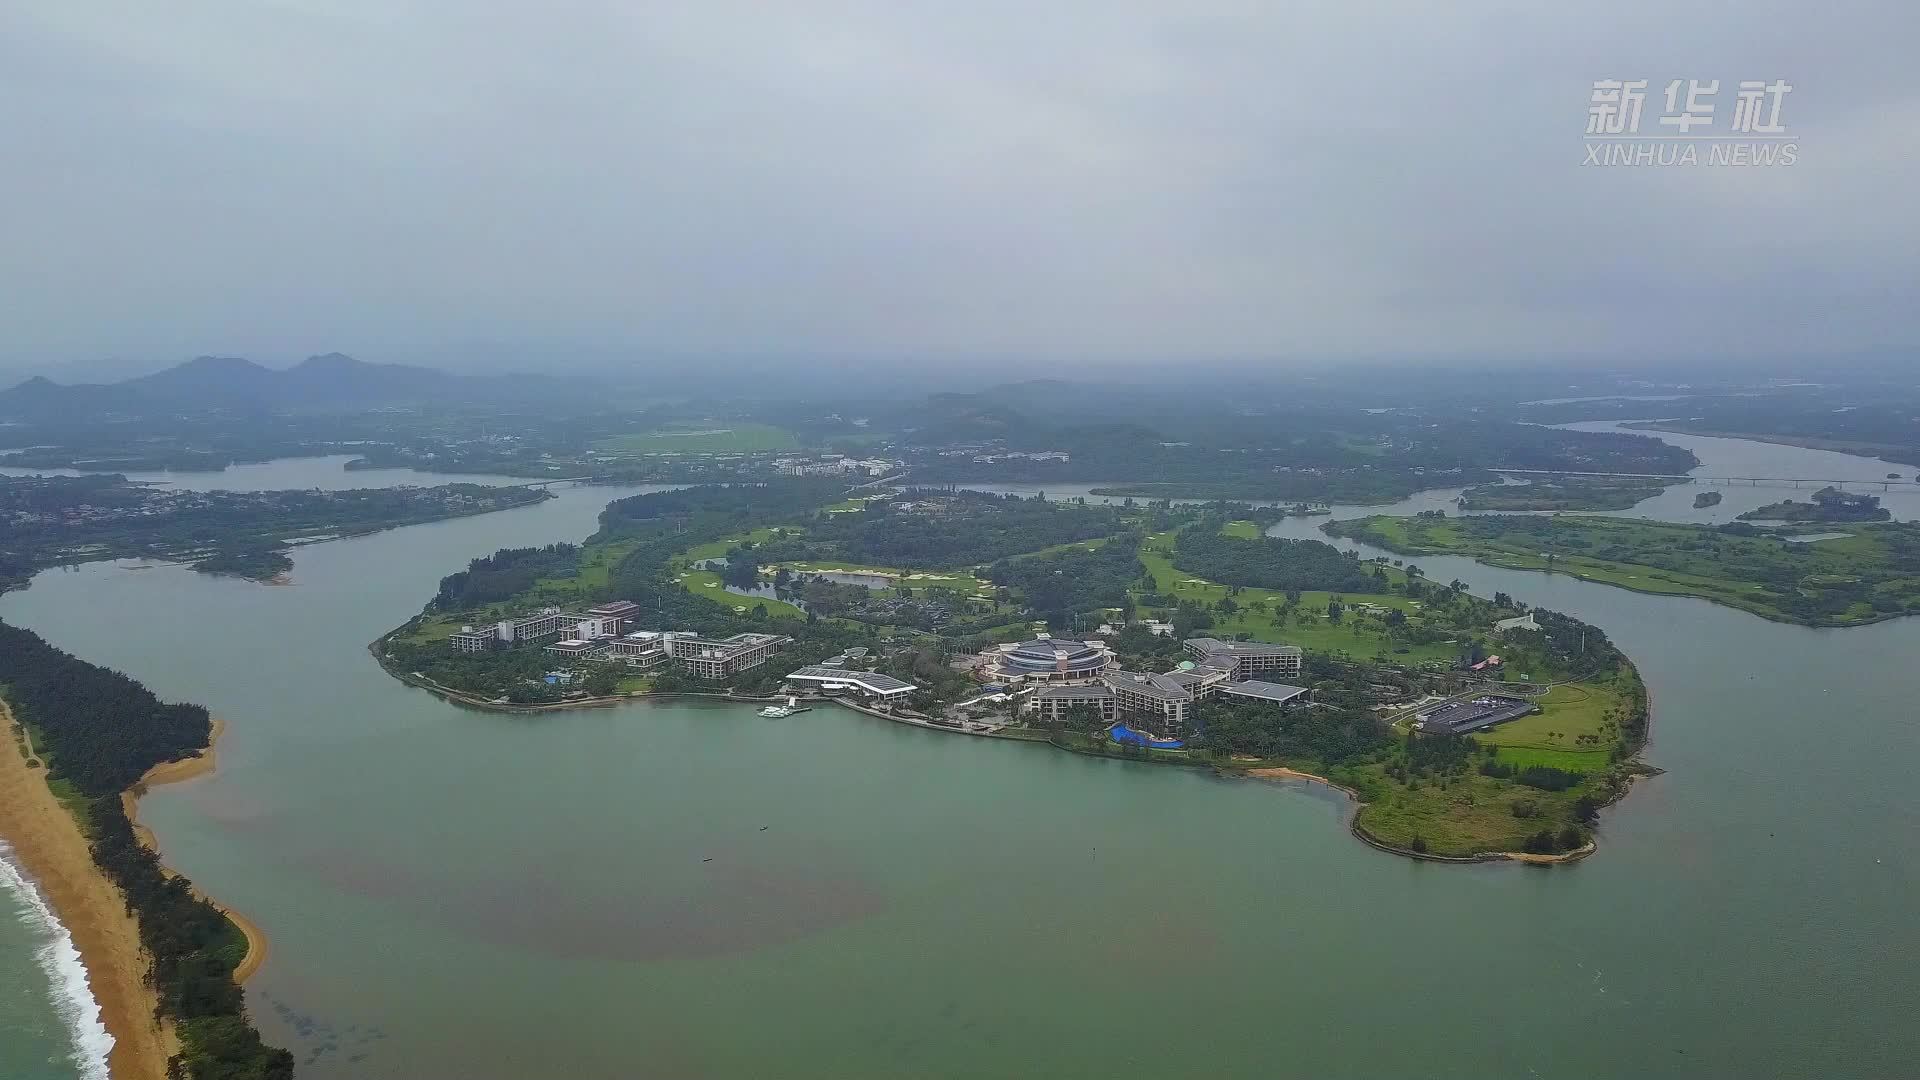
(50, 846)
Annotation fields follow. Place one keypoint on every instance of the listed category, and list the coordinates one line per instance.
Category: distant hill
(333, 382)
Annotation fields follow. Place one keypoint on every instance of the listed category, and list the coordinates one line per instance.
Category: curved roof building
(1050, 659)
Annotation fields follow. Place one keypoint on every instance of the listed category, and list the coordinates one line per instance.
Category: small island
(1561, 493)
(1706, 499)
(1829, 504)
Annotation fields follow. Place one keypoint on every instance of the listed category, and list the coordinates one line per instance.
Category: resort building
(1247, 659)
(641, 650)
(1050, 704)
(574, 648)
(610, 620)
(724, 658)
(834, 680)
(1048, 660)
(1164, 702)
(469, 640)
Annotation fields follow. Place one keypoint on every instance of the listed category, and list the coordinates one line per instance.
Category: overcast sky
(1098, 181)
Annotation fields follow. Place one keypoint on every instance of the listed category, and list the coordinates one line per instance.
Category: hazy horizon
(1103, 188)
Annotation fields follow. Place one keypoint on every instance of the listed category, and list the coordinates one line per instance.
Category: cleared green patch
(957, 580)
(1358, 633)
(707, 583)
(1575, 761)
(1578, 717)
(719, 438)
(1842, 581)
(1245, 530)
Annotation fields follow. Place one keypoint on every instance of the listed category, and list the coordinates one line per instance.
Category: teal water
(462, 894)
(49, 1024)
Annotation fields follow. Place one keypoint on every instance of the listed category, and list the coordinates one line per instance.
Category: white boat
(776, 711)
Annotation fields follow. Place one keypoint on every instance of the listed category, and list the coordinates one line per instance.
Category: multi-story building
(547, 622)
(613, 618)
(1050, 704)
(641, 650)
(1161, 703)
(724, 658)
(1247, 659)
(575, 648)
(1164, 702)
(469, 640)
(1048, 660)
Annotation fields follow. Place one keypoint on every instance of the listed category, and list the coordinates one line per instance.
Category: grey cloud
(1109, 181)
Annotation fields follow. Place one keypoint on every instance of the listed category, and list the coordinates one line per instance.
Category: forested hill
(1268, 562)
(101, 731)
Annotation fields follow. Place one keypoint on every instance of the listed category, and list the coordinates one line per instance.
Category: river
(683, 890)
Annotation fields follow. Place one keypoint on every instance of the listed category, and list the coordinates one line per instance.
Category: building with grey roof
(1050, 704)
(1252, 691)
(868, 683)
(1049, 659)
(1246, 659)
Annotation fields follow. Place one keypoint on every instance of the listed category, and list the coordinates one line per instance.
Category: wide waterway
(682, 890)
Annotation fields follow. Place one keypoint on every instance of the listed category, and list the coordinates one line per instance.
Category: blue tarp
(1123, 734)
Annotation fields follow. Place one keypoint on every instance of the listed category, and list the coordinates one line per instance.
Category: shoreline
(206, 763)
(1270, 772)
(1275, 772)
(50, 847)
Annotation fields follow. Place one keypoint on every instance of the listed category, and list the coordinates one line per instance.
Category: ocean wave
(73, 998)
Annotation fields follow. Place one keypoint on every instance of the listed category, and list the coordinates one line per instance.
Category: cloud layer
(1105, 181)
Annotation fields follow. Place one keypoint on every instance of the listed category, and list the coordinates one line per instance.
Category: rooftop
(1277, 693)
(1077, 693)
(871, 681)
(1207, 645)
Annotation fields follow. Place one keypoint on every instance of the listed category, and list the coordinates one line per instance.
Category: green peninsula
(1466, 727)
(1562, 493)
(1870, 574)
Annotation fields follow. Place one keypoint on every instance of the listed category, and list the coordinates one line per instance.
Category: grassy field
(719, 438)
(957, 580)
(1465, 815)
(1573, 719)
(1845, 581)
(1357, 635)
(1245, 530)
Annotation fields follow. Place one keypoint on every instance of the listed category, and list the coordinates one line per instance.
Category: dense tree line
(503, 574)
(102, 731)
(1269, 562)
(1060, 585)
(962, 528)
(1329, 735)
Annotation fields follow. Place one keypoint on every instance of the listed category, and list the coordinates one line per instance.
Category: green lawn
(707, 583)
(1357, 634)
(957, 580)
(719, 437)
(1566, 714)
(1844, 581)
